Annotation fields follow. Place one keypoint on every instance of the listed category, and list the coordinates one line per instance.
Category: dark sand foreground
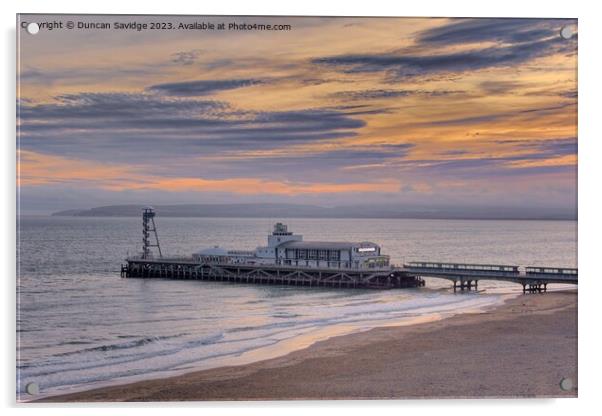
(522, 349)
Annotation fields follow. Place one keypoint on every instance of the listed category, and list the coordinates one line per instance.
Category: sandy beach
(521, 349)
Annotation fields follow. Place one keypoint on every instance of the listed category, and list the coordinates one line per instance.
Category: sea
(80, 325)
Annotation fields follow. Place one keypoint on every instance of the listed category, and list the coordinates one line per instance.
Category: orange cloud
(35, 169)
(566, 160)
(40, 169)
(445, 118)
(253, 186)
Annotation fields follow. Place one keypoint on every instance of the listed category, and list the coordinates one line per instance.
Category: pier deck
(467, 276)
(463, 276)
(184, 268)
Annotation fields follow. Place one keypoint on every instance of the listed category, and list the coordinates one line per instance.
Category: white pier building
(288, 249)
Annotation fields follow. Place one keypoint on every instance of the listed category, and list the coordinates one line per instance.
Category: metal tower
(148, 226)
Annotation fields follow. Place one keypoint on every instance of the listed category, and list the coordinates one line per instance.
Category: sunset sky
(335, 111)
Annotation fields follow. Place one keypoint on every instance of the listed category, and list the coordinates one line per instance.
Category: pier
(288, 260)
(189, 269)
(463, 276)
(467, 276)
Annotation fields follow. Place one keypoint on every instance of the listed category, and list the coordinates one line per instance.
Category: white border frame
(589, 194)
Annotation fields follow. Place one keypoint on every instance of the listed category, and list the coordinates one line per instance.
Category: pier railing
(467, 275)
(463, 275)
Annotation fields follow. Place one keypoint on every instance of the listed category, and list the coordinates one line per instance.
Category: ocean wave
(61, 378)
(286, 315)
(120, 346)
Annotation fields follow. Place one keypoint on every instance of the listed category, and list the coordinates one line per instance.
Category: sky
(334, 111)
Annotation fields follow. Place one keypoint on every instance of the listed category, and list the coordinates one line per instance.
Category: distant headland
(272, 210)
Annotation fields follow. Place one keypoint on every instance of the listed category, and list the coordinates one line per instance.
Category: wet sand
(521, 349)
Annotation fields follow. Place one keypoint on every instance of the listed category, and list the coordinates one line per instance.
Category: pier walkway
(467, 276)
(412, 274)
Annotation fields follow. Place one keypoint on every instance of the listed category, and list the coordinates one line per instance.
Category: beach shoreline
(522, 348)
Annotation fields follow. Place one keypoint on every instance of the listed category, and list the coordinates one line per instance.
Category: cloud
(185, 57)
(37, 169)
(113, 106)
(202, 87)
(501, 87)
(305, 126)
(518, 41)
(492, 167)
(43, 170)
(549, 148)
(375, 94)
(569, 94)
(467, 31)
(86, 75)
(517, 157)
(525, 115)
(313, 162)
(407, 65)
(566, 146)
(254, 186)
(134, 127)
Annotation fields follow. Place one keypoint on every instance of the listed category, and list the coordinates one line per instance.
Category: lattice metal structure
(148, 227)
(267, 274)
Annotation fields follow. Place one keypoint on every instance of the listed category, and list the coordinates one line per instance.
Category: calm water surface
(79, 325)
